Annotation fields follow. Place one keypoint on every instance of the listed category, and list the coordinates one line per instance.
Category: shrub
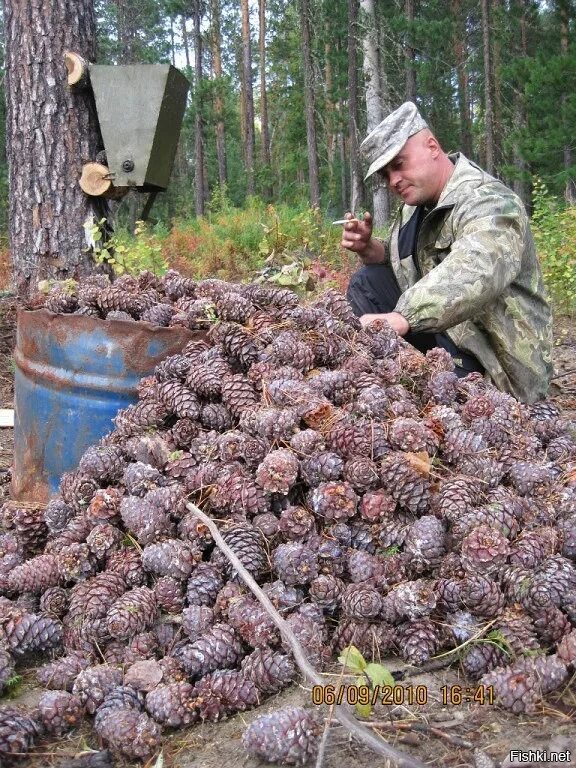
(554, 228)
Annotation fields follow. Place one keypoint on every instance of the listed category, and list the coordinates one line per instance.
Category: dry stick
(345, 718)
(429, 730)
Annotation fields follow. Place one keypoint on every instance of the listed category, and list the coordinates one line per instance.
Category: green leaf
(363, 710)
(379, 675)
(352, 659)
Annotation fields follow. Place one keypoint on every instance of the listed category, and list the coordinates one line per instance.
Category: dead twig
(429, 730)
(433, 666)
(344, 717)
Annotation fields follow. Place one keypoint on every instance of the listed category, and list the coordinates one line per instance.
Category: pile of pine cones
(378, 499)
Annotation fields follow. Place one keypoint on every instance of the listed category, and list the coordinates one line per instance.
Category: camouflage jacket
(480, 280)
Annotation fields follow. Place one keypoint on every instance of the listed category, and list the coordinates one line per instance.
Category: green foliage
(371, 675)
(126, 253)
(291, 246)
(554, 228)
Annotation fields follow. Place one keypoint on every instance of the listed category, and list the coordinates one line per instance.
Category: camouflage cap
(387, 139)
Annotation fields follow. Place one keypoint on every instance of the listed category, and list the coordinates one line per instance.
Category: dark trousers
(373, 289)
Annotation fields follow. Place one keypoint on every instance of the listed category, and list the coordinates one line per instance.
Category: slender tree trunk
(248, 97)
(409, 56)
(488, 88)
(126, 31)
(376, 95)
(185, 43)
(50, 132)
(200, 183)
(172, 43)
(496, 9)
(459, 44)
(343, 165)
(356, 180)
(570, 187)
(520, 184)
(218, 101)
(309, 102)
(265, 132)
(330, 115)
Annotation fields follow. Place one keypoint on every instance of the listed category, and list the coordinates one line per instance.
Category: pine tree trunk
(376, 95)
(265, 133)
(343, 165)
(198, 122)
(488, 88)
(570, 187)
(126, 30)
(459, 44)
(309, 102)
(330, 115)
(248, 97)
(185, 43)
(520, 183)
(409, 52)
(50, 132)
(496, 85)
(218, 102)
(356, 181)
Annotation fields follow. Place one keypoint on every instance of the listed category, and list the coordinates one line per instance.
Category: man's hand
(357, 237)
(394, 319)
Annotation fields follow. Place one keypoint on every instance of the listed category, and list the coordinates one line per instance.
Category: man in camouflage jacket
(460, 268)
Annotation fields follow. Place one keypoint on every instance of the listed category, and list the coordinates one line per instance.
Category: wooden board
(6, 417)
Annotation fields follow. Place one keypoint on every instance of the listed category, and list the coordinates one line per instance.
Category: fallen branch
(429, 730)
(432, 666)
(344, 717)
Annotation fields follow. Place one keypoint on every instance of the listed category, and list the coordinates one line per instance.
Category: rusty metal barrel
(73, 374)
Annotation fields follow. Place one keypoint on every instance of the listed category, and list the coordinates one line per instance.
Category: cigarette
(342, 221)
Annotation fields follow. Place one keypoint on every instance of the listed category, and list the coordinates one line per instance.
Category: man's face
(413, 173)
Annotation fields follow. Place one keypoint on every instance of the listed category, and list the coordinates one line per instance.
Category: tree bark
(520, 184)
(459, 46)
(126, 30)
(376, 100)
(309, 101)
(356, 181)
(185, 43)
(248, 97)
(570, 187)
(199, 179)
(330, 115)
(409, 56)
(265, 132)
(51, 131)
(488, 88)
(218, 102)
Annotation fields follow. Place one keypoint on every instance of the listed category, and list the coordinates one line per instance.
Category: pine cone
(218, 648)
(60, 711)
(295, 563)
(93, 684)
(278, 472)
(131, 613)
(406, 486)
(172, 705)
(269, 670)
(418, 641)
(129, 732)
(334, 500)
(482, 657)
(290, 735)
(18, 731)
(61, 674)
(222, 693)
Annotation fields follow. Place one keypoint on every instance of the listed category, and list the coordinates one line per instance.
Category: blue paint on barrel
(73, 375)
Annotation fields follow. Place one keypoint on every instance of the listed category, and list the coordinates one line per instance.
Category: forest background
(282, 93)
